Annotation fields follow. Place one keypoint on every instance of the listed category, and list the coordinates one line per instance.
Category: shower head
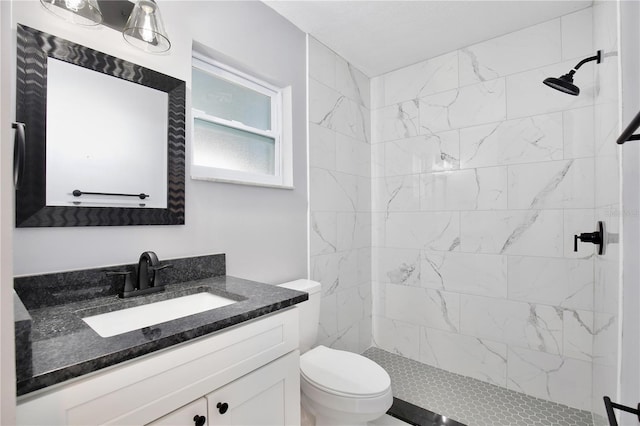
(565, 82)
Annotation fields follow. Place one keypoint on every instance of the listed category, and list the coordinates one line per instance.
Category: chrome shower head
(565, 82)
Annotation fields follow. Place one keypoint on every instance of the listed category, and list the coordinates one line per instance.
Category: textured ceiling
(381, 36)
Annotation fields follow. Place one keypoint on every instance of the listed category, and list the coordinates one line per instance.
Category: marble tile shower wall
(608, 207)
(480, 178)
(340, 197)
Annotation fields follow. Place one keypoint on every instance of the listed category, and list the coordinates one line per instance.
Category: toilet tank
(309, 311)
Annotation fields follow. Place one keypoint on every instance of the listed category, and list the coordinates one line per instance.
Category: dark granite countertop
(63, 346)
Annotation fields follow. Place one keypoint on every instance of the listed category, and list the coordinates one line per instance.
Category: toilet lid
(343, 372)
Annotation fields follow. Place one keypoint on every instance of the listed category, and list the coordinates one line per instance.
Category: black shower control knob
(199, 420)
(597, 238)
(222, 407)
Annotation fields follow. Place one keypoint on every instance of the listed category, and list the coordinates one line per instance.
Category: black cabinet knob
(199, 420)
(222, 407)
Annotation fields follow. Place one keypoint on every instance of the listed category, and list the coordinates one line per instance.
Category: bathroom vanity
(236, 364)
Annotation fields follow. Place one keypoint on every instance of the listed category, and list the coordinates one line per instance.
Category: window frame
(234, 76)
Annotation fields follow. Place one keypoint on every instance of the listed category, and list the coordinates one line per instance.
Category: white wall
(7, 351)
(263, 231)
(630, 65)
(481, 177)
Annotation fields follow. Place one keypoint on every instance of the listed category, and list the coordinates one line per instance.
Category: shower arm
(597, 57)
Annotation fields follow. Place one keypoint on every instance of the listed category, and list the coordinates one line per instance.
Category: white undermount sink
(124, 320)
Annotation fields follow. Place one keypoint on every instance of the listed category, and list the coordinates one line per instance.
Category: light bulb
(74, 5)
(146, 32)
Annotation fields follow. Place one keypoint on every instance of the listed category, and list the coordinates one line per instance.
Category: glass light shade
(81, 12)
(145, 29)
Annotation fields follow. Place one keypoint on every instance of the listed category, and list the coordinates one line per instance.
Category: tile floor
(470, 401)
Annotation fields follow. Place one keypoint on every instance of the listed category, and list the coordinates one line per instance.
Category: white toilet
(339, 388)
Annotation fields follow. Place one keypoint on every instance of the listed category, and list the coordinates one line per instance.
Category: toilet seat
(344, 374)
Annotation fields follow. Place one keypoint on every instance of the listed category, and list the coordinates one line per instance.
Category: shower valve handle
(591, 237)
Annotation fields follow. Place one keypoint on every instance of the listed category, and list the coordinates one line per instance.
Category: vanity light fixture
(141, 24)
(81, 12)
(145, 29)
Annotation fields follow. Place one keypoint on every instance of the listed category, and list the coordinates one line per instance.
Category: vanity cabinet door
(193, 414)
(268, 396)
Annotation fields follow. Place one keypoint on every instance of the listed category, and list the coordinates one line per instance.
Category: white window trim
(280, 129)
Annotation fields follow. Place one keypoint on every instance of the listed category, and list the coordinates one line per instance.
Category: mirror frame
(33, 49)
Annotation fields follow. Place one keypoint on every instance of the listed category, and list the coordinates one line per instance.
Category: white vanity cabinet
(252, 367)
(266, 397)
(194, 414)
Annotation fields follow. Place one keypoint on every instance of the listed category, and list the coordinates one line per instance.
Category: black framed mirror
(146, 105)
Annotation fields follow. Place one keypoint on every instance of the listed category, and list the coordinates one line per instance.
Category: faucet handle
(160, 267)
(158, 278)
(128, 279)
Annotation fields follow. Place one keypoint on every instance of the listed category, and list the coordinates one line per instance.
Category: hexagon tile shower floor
(470, 401)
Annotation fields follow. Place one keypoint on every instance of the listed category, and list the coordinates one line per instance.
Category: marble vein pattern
(470, 356)
(463, 107)
(422, 306)
(333, 110)
(352, 82)
(322, 153)
(398, 337)
(568, 283)
(353, 230)
(551, 377)
(578, 332)
(526, 97)
(397, 193)
(522, 50)
(561, 184)
(421, 79)
(396, 121)
(423, 230)
(340, 167)
(333, 191)
(324, 233)
(524, 140)
(422, 154)
(398, 266)
(578, 136)
(524, 325)
(465, 273)
(473, 189)
(518, 232)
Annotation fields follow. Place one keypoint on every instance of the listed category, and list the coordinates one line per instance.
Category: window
(241, 132)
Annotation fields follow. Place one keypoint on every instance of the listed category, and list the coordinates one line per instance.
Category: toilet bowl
(343, 388)
(338, 388)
